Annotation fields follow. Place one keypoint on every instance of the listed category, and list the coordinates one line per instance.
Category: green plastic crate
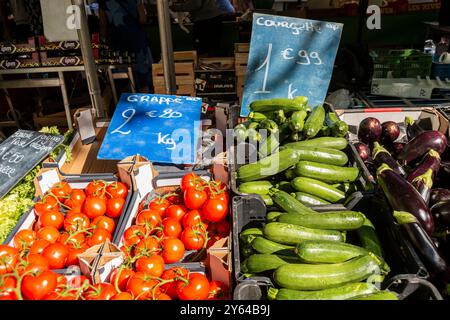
(407, 63)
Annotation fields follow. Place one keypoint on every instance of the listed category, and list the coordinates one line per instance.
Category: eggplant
(422, 242)
(412, 128)
(369, 131)
(424, 142)
(423, 185)
(390, 131)
(437, 195)
(381, 155)
(432, 161)
(402, 196)
(441, 213)
(395, 148)
(363, 151)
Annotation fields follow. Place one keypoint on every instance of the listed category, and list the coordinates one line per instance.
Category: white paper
(86, 125)
(144, 180)
(48, 179)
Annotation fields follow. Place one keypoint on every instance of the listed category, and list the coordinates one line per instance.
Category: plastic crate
(408, 63)
(441, 70)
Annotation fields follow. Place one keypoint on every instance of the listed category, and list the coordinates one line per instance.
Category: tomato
(76, 221)
(94, 207)
(149, 218)
(51, 234)
(196, 289)
(217, 291)
(104, 222)
(59, 295)
(222, 196)
(215, 210)
(117, 190)
(38, 246)
(159, 205)
(173, 273)
(78, 281)
(8, 258)
(61, 190)
(162, 296)
(95, 188)
(77, 197)
(73, 239)
(114, 207)
(191, 180)
(142, 285)
(194, 198)
(175, 198)
(147, 247)
(121, 275)
(176, 211)
(56, 254)
(48, 203)
(194, 218)
(173, 250)
(221, 228)
(153, 266)
(74, 252)
(133, 235)
(193, 238)
(7, 288)
(100, 291)
(99, 236)
(51, 219)
(36, 287)
(36, 263)
(24, 239)
(171, 227)
(122, 296)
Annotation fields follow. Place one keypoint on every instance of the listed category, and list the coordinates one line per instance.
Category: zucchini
(290, 234)
(257, 116)
(241, 132)
(369, 238)
(271, 105)
(263, 245)
(344, 292)
(255, 187)
(253, 134)
(323, 142)
(314, 122)
(273, 216)
(279, 117)
(290, 174)
(267, 199)
(326, 251)
(332, 220)
(269, 166)
(247, 250)
(338, 127)
(324, 276)
(248, 235)
(273, 141)
(297, 121)
(269, 125)
(381, 295)
(318, 189)
(288, 203)
(309, 199)
(295, 136)
(323, 155)
(259, 262)
(285, 186)
(326, 172)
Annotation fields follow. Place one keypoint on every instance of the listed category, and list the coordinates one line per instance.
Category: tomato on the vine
(121, 275)
(122, 296)
(153, 266)
(39, 245)
(150, 218)
(74, 252)
(221, 228)
(99, 236)
(36, 263)
(51, 234)
(94, 207)
(147, 246)
(194, 218)
(173, 273)
(173, 250)
(47, 203)
(24, 239)
(215, 210)
(197, 288)
(8, 285)
(171, 227)
(175, 198)
(191, 180)
(222, 196)
(74, 239)
(193, 238)
(51, 219)
(133, 235)
(159, 205)
(56, 254)
(36, 287)
(76, 222)
(100, 291)
(176, 211)
(78, 281)
(117, 189)
(75, 200)
(95, 188)
(141, 286)
(194, 197)
(104, 222)
(114, 207)
(217, 291)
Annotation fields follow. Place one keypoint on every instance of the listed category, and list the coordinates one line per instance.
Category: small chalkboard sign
(162, 128)
(21, 152)
(290, 57)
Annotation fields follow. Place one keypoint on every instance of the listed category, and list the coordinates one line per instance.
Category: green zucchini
(322, 142)
(344, 292)
(288, 203)
(247, 250)
(326, 172)
(271, 105)
(324, 276)
(325, 131)
(297, 121)
(255, 187)
(273, 216)
(309, 199)
(253, 134)
(326, 251)
(323, 155)
(269, 166)
(257, 116)
(290, 234)
(285, 186)
(270, 125)
(290, 174)
(241, 132)
(248, 235)
(382, 295)
(332, 220)
(338, 127)
(279, 117)
(295, 136)
(273, 141)
(263, 245)
(267, 199)
(314, 122)
(369, 238)
(318, 189)
(259, 262)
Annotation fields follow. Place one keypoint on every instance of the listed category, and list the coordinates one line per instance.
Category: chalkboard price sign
(290, 57)
(162, 128)
(21, 152)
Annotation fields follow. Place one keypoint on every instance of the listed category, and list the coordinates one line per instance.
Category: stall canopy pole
(165, 33)
(363, 4)
(90, 68)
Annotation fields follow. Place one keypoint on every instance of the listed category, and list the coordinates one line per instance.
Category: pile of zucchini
(309, 257)
(303, 154)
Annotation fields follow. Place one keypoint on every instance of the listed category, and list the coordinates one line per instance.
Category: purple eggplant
(422, 242)
(412, 128)
(389, 132)
(363, 151)
(441, 213)
(432, 161)
(402, 196)
(438, 195)
(369, 131)
(423, 185)
(395, 148)
(381, 155)
(424, 142)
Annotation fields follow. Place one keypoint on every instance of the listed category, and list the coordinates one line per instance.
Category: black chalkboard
(21, 152)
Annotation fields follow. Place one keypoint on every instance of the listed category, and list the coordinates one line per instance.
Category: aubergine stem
(426, 178)
(409, 121)
(378, 148)
(382, 168)
(433, 153)
(403, 217)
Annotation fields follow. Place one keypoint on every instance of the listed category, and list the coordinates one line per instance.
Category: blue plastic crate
(441, 70)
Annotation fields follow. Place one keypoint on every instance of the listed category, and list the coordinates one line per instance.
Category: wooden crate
(241, 61)
(182, 90)
(58, 119)
(241, 47)
(221, 63)
(185, 78)
(240, 81)
(186, 56)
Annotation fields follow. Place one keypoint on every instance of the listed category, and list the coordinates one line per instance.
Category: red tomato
(61, 190)
(36, 287)
(221, 228)
(76, 200)
(99, 236)
(74, 239)
(173, 250)
(51, 234)
(159, 205)
(121, 275)
(217, 291)
(122, 296)
(74, 252)
(59, 295)
(76, 222)
(104, 222)
(196, 289)
(193, 238)
(117, 190)
(176, 211)
(223, 196)
(94, 207)
(147, 247)
(193, 218)
(100, 291)
(215, 210)
(194, 198)
(191, 180)
(175, 273)
(24, 239)
(172, 228)
(133, 235)
(153, 266)
(8, 258)
(141, 286)
(95, 188)
(175, 198)
(39, 245)
(114, 207)
(162, 296)
(56, 254)
(36, 263)
(48, 203)
(149, 218)
(51, 219)
(8, 286)
(78, 281)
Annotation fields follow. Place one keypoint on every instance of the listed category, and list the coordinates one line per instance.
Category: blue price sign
(290, 57)
(162, 128)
